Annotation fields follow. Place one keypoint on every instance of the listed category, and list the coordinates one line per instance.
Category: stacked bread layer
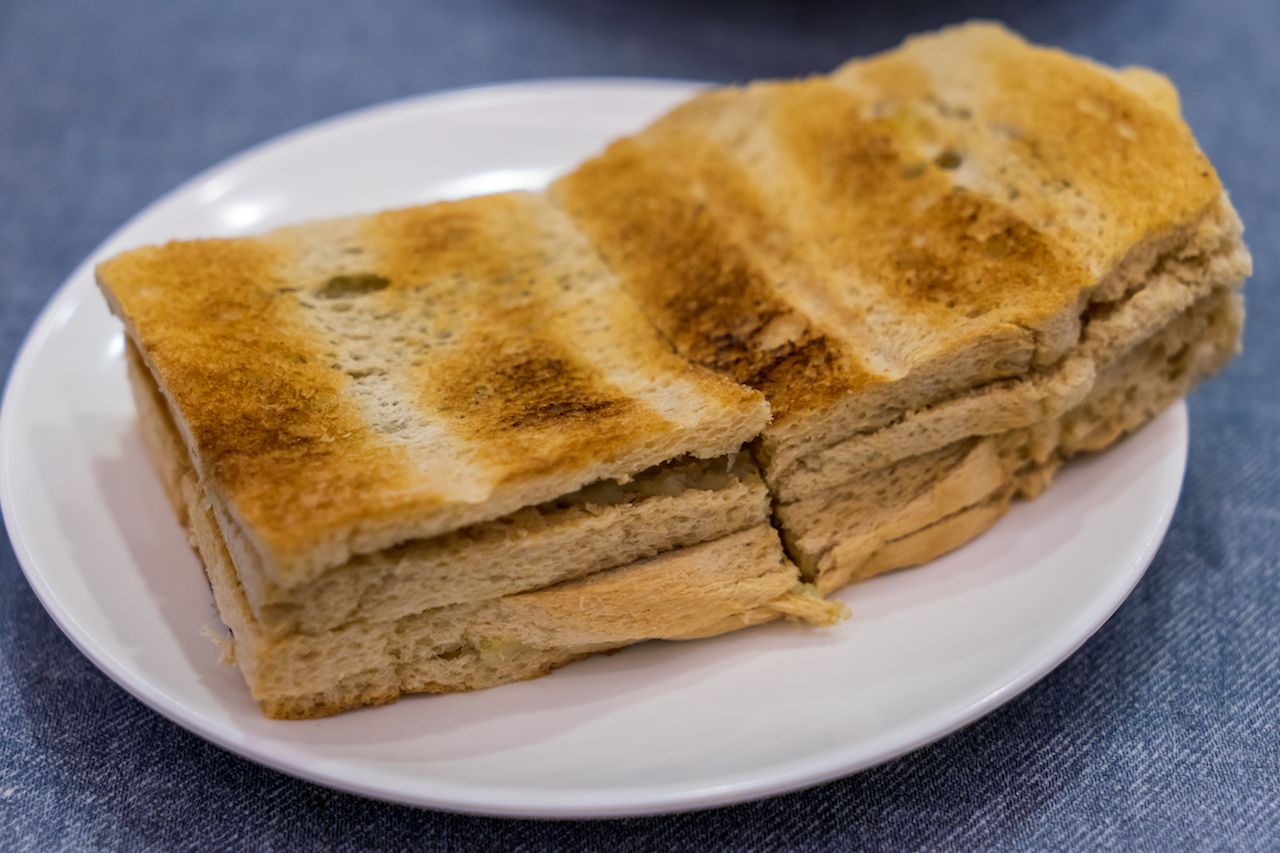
(1170, 280)
(359, 636)
(949, 268)
(905, 493)
(916, 508)
(438, 449)
(349, 385)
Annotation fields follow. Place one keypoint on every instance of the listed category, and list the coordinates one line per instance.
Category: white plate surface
(658, 727)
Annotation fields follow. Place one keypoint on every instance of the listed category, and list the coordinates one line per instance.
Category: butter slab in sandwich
(964, 238)
(385, 430)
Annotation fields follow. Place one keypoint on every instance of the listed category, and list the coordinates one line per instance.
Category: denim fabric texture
(1161, 733)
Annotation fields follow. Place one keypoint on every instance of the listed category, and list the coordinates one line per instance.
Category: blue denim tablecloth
(1163, 732)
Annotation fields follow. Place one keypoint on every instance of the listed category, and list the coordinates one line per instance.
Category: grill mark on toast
(941, 253)
(522, 401)
(669, 234)
(1097, 158)
(533, 403)
(1082, 129)
(272, 425)
(721, 235)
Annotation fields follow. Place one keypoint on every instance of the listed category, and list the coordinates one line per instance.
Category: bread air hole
(948, 160)
(356, 284)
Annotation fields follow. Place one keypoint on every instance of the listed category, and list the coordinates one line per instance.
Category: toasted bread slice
(345, 386)
(601, 526)
(917, 226)
(1211, 264)
(849, 533)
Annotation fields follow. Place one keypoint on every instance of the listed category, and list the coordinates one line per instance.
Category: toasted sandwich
(961, 238)
(385, 430)
(461, 444)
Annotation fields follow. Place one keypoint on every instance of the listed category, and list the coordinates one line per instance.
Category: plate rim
(834, 765)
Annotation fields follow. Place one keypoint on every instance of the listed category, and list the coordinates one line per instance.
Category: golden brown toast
(911, 228)
(602, 526)
(344, 386)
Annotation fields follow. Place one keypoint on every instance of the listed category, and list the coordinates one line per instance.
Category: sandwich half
(383, 431)
(962, 238)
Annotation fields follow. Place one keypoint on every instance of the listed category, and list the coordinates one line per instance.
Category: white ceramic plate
(659, 727)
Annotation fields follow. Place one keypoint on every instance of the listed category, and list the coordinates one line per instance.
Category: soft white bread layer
(601, 526)
(940, 499)
(345, 386)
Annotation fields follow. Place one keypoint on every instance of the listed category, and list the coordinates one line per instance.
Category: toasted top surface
(943, 206)
(346, 385)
